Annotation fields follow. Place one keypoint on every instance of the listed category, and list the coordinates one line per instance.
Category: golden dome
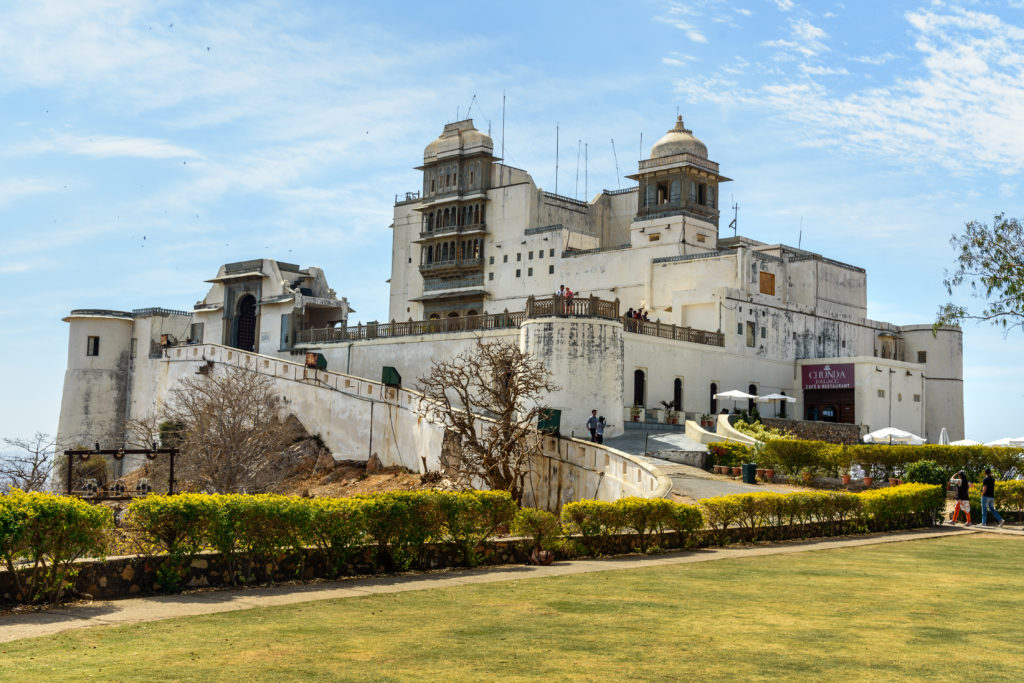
(677, 141)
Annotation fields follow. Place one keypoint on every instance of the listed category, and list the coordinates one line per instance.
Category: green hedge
(819, 457)
(596, 522)
(41, 535)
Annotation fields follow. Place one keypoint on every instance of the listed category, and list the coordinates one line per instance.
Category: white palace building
(480, 251)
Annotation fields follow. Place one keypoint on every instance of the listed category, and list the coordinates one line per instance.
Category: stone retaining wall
(832, 432)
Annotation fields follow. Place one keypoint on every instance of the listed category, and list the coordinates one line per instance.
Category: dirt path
(134, 610)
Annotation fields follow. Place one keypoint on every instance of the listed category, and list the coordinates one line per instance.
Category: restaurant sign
(835, 376)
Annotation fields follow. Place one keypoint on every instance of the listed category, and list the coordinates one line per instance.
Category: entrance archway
(639, 388)
(245, 322)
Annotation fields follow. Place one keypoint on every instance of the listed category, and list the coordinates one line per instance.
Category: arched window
(639, 387)
(430, 222)
(677, 392)
(451, 249)
(453, 314)
(471, 312)
(477, 213)
(752, 389)
(675, 196)
(444, 252)
(714, 401)
(481, 218)
(435, 316)
(444, 218)
(430, 254)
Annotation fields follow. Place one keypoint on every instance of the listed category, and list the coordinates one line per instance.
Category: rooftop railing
(558, 306)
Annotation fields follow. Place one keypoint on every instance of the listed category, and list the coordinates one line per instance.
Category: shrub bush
(471, 517)
(928, 472)
(41, 536)
(730, 453)
(645, 516)
(540, 526)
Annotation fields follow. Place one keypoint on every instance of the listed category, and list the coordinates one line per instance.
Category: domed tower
(456, 176)
(678, 179)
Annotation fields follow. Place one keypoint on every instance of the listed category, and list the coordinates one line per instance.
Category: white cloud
(875, 60)
(104, 146)
(805, 39)
(784, 5)
(740, 10)
(14, 188)
(13, 267)
(824, 70)
(962, 110)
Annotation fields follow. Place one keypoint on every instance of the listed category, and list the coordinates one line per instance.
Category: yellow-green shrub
(41, 535)
(470, 517)
(540, 526)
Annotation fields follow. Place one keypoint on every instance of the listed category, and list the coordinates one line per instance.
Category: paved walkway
(134, 610)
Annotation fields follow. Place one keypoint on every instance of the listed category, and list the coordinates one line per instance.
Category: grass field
(936, 609)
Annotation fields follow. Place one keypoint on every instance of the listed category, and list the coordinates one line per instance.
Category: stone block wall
(832, 432)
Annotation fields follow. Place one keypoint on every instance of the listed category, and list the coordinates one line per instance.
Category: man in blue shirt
(592, 425)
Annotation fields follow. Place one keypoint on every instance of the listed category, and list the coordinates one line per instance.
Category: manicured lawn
(938, 609)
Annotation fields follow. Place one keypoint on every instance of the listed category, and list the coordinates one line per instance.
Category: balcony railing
(466, 263)
(471, 281)
(667, 331)
(450, 229)
(491, 321)
(590, 307)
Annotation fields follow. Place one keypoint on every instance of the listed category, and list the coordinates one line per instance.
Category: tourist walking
(600, 433)
(592, 425)
(988, 498)
(963, 501)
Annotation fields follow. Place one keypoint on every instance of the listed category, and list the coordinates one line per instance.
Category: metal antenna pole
(586, 192)
(556, 157)
(501, 175)
(579, 149)
(618, 178)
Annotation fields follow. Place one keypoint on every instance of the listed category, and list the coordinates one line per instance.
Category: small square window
(531, 255)
(490, 276)
(410, 259)
(519, 273)
(881, 393)
(701, 238)
(92, 346)
(505, 259)
(492, 261)
(551, 270)
(739, 328)
(551, 252)
(922, 356)
(917, 398)
(529, 271)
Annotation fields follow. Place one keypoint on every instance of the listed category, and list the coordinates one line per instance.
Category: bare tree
(489, 399)
(229, 430)
(29, 467)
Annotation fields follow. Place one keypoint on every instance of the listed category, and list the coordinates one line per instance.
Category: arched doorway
(245, 323)
(677, 394)
(639, 388)
(714, 401)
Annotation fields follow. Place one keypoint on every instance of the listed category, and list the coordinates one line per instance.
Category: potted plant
(893, 481)
(635, 412)
(737, 470)
(846, 478)
(769, 472)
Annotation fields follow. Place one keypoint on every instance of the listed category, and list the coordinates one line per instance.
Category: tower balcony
(461, 265)
(468, 229)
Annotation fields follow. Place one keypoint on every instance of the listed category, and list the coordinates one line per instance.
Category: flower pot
(769, 472)
(846, 479)
(760, 473)
(721, 469)
(868, 481)
(737, 471)
(893, 481)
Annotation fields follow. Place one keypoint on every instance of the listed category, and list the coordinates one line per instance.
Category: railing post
(529, 306)
(592, 303)
(657, 323)
(616, 307)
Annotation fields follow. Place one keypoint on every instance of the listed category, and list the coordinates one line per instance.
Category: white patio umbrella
(965, 442)
(775, 399)
(891, 435)
(1007, 441)
(735, 395)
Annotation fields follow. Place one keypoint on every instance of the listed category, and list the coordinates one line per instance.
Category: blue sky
(142, 144)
